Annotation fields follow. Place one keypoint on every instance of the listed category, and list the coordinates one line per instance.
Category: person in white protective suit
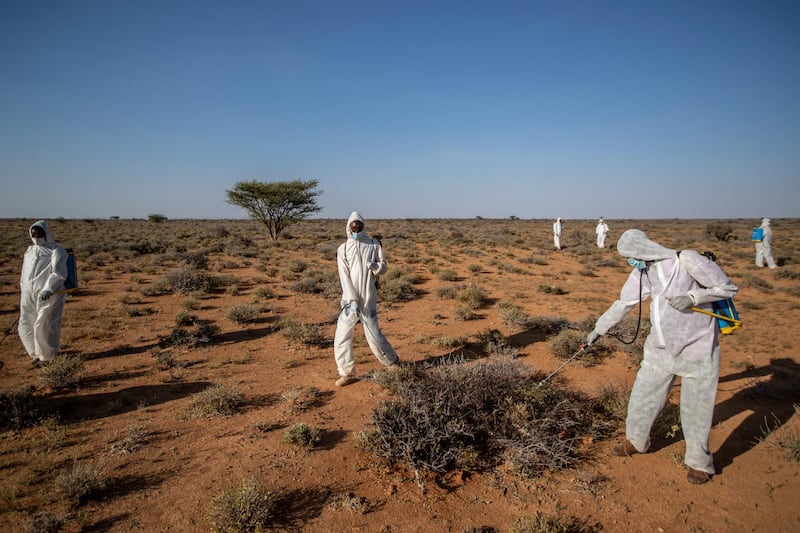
(681, 343)
(557, 233)
(360, 259)
(44, 269)
(764, 248)
(601, 230)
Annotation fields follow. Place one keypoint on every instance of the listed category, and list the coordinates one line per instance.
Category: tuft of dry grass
(218, 400)
(250, 506)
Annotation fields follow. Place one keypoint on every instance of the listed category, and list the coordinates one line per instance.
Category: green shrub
(301, 435)
(248, 507)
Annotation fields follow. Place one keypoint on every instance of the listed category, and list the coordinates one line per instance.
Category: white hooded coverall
(44, 267)
(359, 260)
(601, 230)
(764, 248)
(557, 233)
(680, 343)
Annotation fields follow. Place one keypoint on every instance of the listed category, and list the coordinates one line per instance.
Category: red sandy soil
(168, 482)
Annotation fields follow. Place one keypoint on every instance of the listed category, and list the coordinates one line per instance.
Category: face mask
(356, 234)
(637, 263)
(38, 240)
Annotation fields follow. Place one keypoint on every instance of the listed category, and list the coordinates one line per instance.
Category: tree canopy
(276, 203)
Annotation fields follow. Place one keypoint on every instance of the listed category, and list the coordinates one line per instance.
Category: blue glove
(681, 302)
(593, 336)
(45, 295)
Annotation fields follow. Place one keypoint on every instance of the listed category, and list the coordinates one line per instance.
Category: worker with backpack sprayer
(681, 343)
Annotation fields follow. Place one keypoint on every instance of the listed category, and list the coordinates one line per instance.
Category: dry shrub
(185, 280)
(448, 343)
(397, 285)
(18, 409)
(84, 479)
(568, 342)
(457, 416)
(243, 313)
(46, 522)
(298, 332)
(539, 523)
(720, 231)
(551, 289)
(62, 372)
(218, 400)
(513, 314)
(201, 334)
(755, 282)
(247, 507)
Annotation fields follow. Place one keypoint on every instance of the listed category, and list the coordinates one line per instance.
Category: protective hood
(48, 235)
(355, 215)
(765, 222)
(635, 244)
(558, 220)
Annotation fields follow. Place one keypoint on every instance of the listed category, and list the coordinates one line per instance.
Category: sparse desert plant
(46, 522)
(448, 343)
(247, 507)
(62, 372)
(350, 502)
(448, 275)
(539, 523)
(475, 268)
(308, 334)
(218, 400)
(19, 408)
(472, 296)
(464, 312)
(185, 319)
(568, 342)
(783, 438)
(190, 303)
(156, 218)
(755, 282)
(243, 313)
(514, 315)
(397, 285)
(301, 435)
(132, 438)
(720, 230)
(83, 479)
(265, 292)
(551, 289)
(202, 333)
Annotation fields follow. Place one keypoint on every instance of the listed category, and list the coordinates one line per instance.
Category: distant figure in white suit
(601, 230)
(557, 233)
(764, 248)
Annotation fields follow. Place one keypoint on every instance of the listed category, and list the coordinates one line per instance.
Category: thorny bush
(475, 417)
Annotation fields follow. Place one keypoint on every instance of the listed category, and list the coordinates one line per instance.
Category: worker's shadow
(771, 402)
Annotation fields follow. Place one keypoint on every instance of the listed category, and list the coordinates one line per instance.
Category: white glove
(593, 336)
(45, 295)
(681, 302)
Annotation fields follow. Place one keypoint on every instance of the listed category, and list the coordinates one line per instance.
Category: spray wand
(565, 363)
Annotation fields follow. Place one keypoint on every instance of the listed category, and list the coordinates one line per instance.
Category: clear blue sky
(577, 109)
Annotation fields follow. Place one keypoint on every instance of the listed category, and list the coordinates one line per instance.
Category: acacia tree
(276, 203)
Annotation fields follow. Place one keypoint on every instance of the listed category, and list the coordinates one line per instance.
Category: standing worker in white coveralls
(359, 259)
(681, 343)
(557, 233)
(764, 248)
(601, 230)
(44, 269)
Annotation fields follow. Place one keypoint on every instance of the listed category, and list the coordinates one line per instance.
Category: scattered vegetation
(243, 313)
(300, 333)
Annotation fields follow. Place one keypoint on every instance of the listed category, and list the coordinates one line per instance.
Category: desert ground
(167, 313)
